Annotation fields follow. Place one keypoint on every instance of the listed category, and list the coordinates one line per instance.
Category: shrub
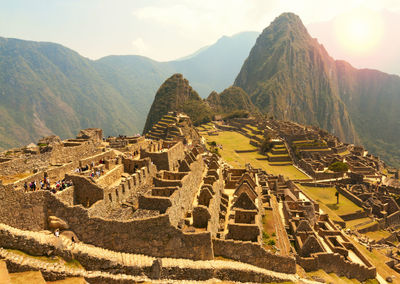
(271, 242)
(266, 145)
(338, 167)
(237, 114)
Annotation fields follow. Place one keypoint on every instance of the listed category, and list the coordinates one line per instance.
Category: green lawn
(326, 195)
(378, 235)
(268, 229)
(351, 224)
(232, 141)
(333, 278)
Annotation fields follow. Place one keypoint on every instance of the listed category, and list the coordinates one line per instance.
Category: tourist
(57, 233)
(25, 187)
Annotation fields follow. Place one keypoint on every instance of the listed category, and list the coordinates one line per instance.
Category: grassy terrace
(326, 196)
(232, 141)
(353, 223)
(327, 201)
(333, 278)
(378, 235)
(269, 234)
(13, 178)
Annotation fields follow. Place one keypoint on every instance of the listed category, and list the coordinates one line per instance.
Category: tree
(339, 167)
(266, 145)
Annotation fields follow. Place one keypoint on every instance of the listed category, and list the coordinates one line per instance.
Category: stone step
(70, 280)
(31, 277)
(4, 276)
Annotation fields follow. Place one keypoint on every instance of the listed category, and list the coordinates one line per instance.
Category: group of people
(94, 172)
(45, 185)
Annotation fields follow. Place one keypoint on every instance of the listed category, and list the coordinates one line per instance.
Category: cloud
(173, 28)
(139, 46)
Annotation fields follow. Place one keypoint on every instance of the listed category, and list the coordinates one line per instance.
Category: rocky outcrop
(230, 100)
(175, 94)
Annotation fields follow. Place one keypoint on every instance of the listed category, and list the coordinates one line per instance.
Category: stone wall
(111, 176)
(23, 210)
(86, 192)
(166, 159)
(182, 199)
(214, 206)
(106, 155)
(393, 219)
(253, 254)
(356, 215)
(335, 263)
(349, 196)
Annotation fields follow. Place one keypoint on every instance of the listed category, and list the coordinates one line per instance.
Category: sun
(359, 31)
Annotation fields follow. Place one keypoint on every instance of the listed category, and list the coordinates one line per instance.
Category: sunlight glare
(359, 31)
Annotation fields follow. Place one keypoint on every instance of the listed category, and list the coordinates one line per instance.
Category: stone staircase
(106, 266)
(31, 277)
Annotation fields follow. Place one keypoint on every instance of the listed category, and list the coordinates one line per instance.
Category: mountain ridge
(47, 88)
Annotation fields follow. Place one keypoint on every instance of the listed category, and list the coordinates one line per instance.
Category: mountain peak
(176, 94)
(288, 25)
(290, 76)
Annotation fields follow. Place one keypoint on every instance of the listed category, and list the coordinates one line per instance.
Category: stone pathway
(121, 259)
(283, 241)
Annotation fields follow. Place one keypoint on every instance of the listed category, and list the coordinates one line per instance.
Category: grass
(379, 260)
(352, 223)
(333, 278)
(232, 141)
(326, 196)
(269, 233)
(344, 153)
(41, 258)
(12, 178)
(71, 264)
(378, 235)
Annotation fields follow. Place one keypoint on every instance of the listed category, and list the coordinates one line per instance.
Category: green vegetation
(268, 233)
(175, 94)
(353, 223)
(47, 88)
(236, 114)
(271, 242)
(326, 196)
(233, 102)
(339, 167)
(333, 278)
(232, 141)
(378, 235)
(266, 145)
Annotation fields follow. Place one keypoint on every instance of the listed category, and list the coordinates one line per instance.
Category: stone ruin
(161, 206)
(136, 198)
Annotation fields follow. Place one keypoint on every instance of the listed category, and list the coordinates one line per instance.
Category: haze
(165, 30)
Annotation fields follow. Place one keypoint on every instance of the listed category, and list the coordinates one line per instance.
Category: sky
(166, 29)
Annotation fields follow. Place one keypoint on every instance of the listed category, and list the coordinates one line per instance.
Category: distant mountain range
(46, 88)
